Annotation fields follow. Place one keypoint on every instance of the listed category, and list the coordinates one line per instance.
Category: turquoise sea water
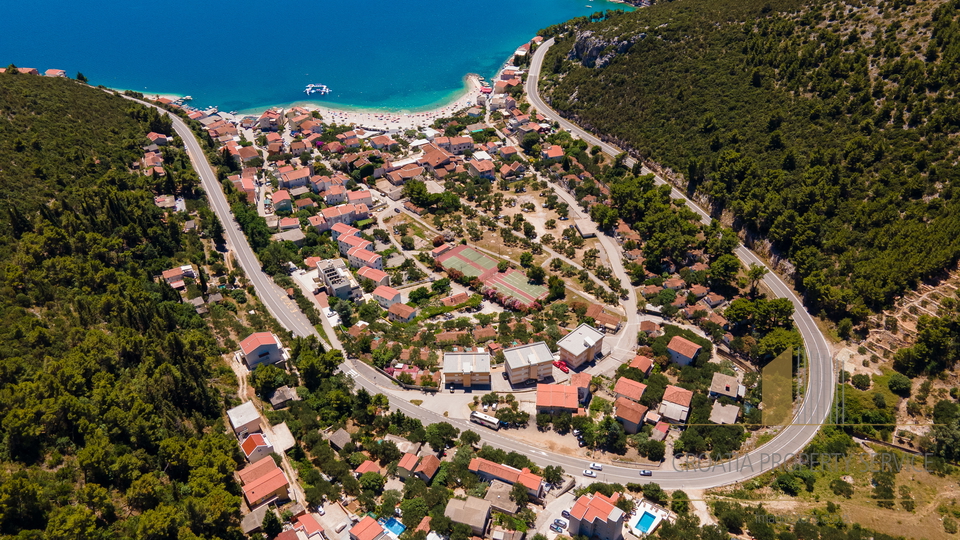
(246, 54)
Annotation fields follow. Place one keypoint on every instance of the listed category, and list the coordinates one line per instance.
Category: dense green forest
(108, 423)
(823, 126)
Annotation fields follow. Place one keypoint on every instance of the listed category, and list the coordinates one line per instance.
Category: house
(682, 350)
(381, 142)
(552, 153)
(294, 179)
(335, 195)
(282, 397)
(407, 466)
(440, 250)
(629, 388)
(597, 516)
(378, 277)
(263, 482)
(581, 380)
(481, 168)
(360, 197)
(282, 201)
(309, 526)
(338, 439)
(361, 256)
(247, 154)
(472, 512)
(726, 385)
(580, 346)
(401, 313)
(304, 203)
(366, 467)
(488, 470)
(675, 405)
(642, 363)
(427, 468)
(339, 230)
(659, 431)
(724, 414)
(244, 419)
(158, 139)
(630, 414)
(175, 276)
(294, 235)
(467, 369)
(699, 291)
(338, 281)
(498, 495)
(289, 223)
(251, 522)
(528, 362)
(484, 334)
(713, 299)
(54, 73)
(558, 398)
(608, 322)
(262, 347)
(256, 447)
(386, 296)
(348, 242)
(368, 529)
(650, 328)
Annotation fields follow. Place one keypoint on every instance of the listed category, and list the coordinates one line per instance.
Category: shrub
(860, 381)
(899, 384)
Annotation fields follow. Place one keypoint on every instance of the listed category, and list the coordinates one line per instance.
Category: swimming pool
(646, 521)
(394, 526)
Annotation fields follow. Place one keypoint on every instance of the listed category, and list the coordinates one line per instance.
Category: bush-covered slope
(828, 127)
(104, 398)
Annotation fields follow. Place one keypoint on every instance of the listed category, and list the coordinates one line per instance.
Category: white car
(590, 473)
(596, 466)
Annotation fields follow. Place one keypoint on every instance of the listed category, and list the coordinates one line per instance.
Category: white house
(244, 419)
(262, 348)
(256, 447)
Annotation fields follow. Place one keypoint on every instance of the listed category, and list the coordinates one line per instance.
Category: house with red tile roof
(383, 142)
(455, 300)
(367, 466)
(650, 328)
(427, 468)
(557, 398)
(488, 470)
(282, 201)
(401, 313)
(630, 414)
(256, 447)
(386, 296)
(440, 250)
(597, 516)
(348, 242)
(629, 388)
(270, 483)
(407, 466)
(552, 153)
(360, 197)
(682, 350)
(368, 529)
(379, 277)
(262, 348)
(54, 73)
(675, 405)
(289, 223)
(361, 256)
(295, 178)
(674, 283)
(309, 526)
(643, 363)
(158, 139)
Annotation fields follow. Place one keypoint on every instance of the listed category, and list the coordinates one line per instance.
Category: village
(474, 269)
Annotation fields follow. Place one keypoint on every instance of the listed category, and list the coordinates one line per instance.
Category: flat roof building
(528, 362)
(580, 346)
(466, 369)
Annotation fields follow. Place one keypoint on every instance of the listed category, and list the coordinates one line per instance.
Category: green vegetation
(111, 427)
(822, 126)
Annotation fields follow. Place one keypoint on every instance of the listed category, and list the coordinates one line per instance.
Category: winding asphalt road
(820, 388)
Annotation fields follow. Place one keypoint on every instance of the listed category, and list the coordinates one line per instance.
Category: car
(396, 210)
(589, 473)
(596, 466)
(556, 529)
(321, 511)
(566, 514)
(562, 523)
(484, 407)
(646, 473)
(581, 443)
(505, 375)
(576, 432)
(493, 406)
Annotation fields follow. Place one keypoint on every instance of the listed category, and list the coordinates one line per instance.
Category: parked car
(556, 529)
(484, 407)
(581, 443)
(321, 511)
(596, 466)
(589, 473)
(565, 513)
(646, 473)
(562, 523)
(576, 433)
(397, 210)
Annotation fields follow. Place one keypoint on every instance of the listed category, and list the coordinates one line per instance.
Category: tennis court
(515, 284)
(511, 283)
(467, 260)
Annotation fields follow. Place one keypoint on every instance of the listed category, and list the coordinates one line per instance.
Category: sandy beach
(386, 120)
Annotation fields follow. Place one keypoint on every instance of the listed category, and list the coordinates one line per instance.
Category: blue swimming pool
(394, 526)
(646, 520)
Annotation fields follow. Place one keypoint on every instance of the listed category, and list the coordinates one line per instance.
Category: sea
(248, 55)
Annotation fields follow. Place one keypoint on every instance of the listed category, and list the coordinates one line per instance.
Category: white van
(341, 526)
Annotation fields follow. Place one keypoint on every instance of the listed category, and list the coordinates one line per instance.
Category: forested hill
(104, 394)
(829, 127)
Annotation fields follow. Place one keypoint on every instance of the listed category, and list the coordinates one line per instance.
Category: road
(273, 297)
(819, 395)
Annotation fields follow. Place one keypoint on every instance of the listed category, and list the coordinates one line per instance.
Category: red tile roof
(555, 396)
(580, 380)
(251, 443)
(255, 340)
(683, 346)
(408, 462)
(506, 473)
(263, 486)
(368, 466)
(629, 410)
(428, 466)
(386, 292)
(642, 363)
(591, 509)
(630, 388)
(254, 471)
(309, 525)
(456, 299)
(367, 529)
(675, 394)
(401, 310)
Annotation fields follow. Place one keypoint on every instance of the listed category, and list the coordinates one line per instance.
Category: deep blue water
(243, 54)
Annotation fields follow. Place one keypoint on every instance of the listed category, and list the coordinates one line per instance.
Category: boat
(321, 89)
(187, 98)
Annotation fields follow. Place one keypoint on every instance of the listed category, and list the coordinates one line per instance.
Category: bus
(484, 420)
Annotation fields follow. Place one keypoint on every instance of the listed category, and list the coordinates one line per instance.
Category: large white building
(580, 346)
(262, 348)
(526, 362)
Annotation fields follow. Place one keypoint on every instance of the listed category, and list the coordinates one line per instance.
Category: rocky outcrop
(593, 50)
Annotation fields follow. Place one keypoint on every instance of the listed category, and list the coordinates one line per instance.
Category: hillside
(822, 127)
(107, 420)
